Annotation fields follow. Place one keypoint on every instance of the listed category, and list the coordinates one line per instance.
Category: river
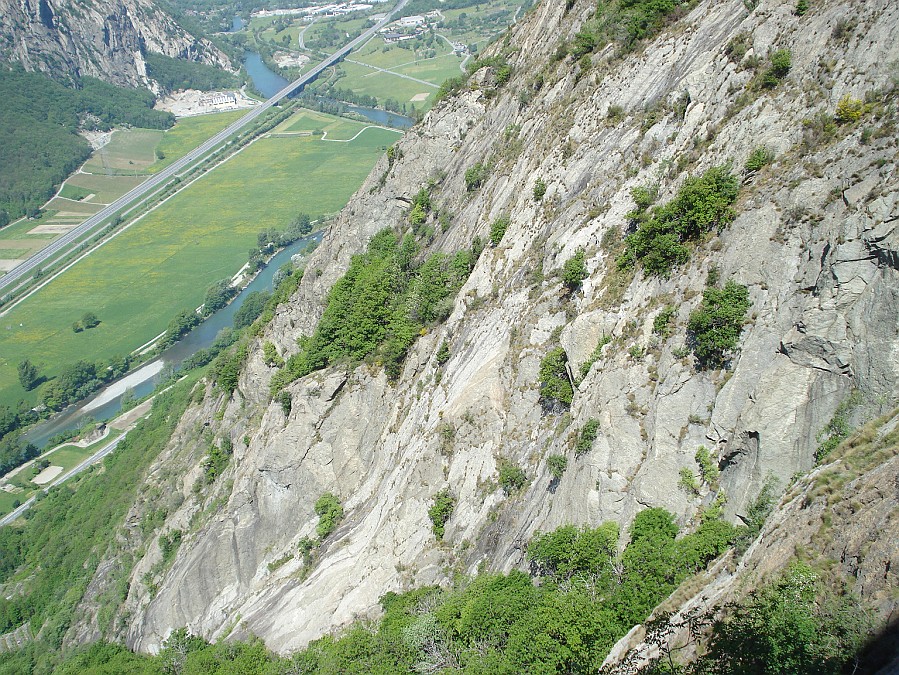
(269, 83)
(106, 403)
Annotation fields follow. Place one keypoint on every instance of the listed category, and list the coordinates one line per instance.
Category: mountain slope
(812, 238)
(107, 39)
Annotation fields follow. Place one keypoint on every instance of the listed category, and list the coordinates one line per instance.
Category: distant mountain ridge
(107, 39)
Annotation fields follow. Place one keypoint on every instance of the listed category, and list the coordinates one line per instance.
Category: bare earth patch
(288, 60)
(192, 102)
(420, 97)
(49, 228)
(7, 265)
(47, 475)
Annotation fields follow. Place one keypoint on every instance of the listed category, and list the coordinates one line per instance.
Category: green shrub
(557, 465)
(644, 196)
(794, 625)
(450, 87)
(380, 306)
(498, 229)
(661, 325)
(757, 513)
(687, 481)
(555, 385)
(216, 460)
(837, 429)
(330, 513)
(539, 189)
(781, 62)
(586, 437)
(475, 176)
(584, 42)
(441, 510)
(270, 355)
(702, 205)
(225, 369)
(286, 401)
(849, 110)
(569, 552)
(421, 207)
(511, 477)
(574, 271)
(502, 74)
(715, 326)
(708, 468)
(443, 353)
(594, 355)
(738, 46)
(759, 157)
(801, 8)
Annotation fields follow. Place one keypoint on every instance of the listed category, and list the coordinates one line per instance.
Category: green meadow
(308, 121)
(383, 85)
(190, 132)
(70, 191)
(139, 279)
(106, 189)
(105, 177)
(129, 151)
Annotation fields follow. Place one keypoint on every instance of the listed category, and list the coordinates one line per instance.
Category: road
(93, 459)
(68, 241)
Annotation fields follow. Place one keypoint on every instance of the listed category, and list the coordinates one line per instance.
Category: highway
(68, 241)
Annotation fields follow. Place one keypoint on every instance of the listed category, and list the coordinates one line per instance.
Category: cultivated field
(106, 189)
(129, 152)
(83, 194)
(308, 121)
(189, 132)
(138, 280)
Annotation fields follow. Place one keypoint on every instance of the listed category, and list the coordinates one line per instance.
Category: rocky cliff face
(814, 240)
(106, 39)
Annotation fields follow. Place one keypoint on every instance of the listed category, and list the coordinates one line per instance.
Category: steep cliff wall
(104, 38)
(814, 241)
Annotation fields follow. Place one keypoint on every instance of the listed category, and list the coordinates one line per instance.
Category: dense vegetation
(81, 378)
(660, 242)
(174, 74)
(555, 384)
(587, 597)
(715, 326)
(795, 624)
(39, 124)
(54, 554)
(378, 308)
(624, 21)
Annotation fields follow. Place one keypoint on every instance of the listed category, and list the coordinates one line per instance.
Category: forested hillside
(40, 121)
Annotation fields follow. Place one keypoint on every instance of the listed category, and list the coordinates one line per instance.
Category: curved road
(90, 461)
(63, 244)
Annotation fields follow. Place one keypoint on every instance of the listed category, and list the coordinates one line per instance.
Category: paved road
(93, 459)
(68, 241)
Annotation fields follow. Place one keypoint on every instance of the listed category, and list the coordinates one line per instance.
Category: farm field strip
(128, 150)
